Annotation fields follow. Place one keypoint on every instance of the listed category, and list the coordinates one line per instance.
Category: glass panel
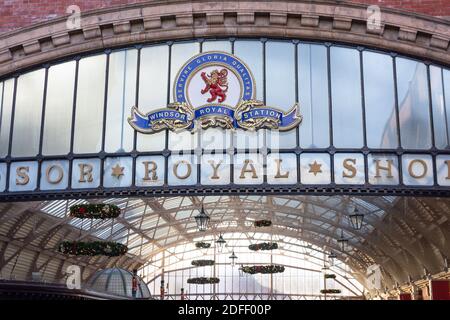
(216, 138)
(58, 109)
(412, 87)
(23, 176)
(349, 168)
(417, 169)
(313, 89)
(315, 168)
(383, 169)
(280, 88)
(28, 113)
(180, 54)
(439, 109)
(381, 120)
(153, 80)
(217, 46)
(121, 97)
(346, 98)
(117, 172)
(1, 102)
(5, 121)
(54, 175)
(90, 105)
(446, 78)
(251, 52)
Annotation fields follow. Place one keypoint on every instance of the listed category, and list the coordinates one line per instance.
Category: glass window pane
(446, 78)
(439, 110)
(346, 98)
(153, 80)
(181, 53)
(280, 88)
(28, 113)
(1, 101)
(5, 121)
(313, 89)
(121, 97)
(58, 109)
(90, 105)
(412, 87)
(216, 46)
(381, 120)
(251, 52)
(215, 138)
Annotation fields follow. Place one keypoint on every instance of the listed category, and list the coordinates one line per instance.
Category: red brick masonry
(15, 14)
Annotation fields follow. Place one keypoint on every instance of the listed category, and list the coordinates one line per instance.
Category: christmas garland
(263, 246)
(203, 280)
(325, 291)
(203, 245)
(202, 263)
(94, 248)
(262, 223)
(330, 276)
(263, 269)
(94, 211)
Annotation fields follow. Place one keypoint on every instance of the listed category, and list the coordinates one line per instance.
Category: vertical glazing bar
(105, 109)
(363, 101)
(264, 41)
(297, 130)
(397, 115)
(330, 112)
(1, 102)
(8, 158)
(166, 152)
(297, 95)
(232, 151)
(433, 142)
(363, 105)
(41, 133)
(136, 103)
(430, 106)
(72, 129)
(445, 106)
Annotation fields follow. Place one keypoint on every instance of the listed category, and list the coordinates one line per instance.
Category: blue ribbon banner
(256, 116)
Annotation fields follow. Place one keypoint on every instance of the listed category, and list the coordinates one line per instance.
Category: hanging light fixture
(356, 219)
(331, 258)
(221, 243)
(342, 241)
(202, 220)
(233, 257)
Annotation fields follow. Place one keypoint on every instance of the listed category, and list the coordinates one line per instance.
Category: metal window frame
(232, 188)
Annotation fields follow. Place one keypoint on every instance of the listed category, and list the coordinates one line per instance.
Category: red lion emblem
(216, 84)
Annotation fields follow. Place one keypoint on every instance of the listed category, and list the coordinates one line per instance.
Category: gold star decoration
(315, 168)
(117, 171)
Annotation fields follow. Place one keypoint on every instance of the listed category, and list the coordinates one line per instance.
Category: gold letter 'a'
(251, 170)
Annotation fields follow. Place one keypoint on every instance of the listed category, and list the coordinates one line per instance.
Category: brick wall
(15, 14)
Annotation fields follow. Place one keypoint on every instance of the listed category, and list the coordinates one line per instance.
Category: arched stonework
(401, 32)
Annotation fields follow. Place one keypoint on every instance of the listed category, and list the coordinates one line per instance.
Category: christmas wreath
(330, 276)
(95, 211)
(203, 280)
(94, 248)
(202, 263)
(203, 245)
(262, 223)
(263, 269)
(325, 291)
(263, 246)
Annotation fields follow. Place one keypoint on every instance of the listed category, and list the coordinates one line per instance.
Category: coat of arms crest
(215, 89)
